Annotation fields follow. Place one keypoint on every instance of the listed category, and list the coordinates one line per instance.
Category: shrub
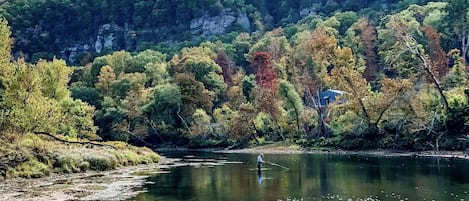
(30, 169)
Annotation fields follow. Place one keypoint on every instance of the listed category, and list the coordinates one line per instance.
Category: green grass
(33, 157)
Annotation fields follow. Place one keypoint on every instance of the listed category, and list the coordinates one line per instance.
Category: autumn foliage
(265, 75)
(368, 37)
(438, 57)
(227, 67)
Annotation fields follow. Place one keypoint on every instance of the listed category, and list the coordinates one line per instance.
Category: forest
(396, 75)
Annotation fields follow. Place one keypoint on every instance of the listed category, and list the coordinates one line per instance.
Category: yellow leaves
(201, 122)
(119, 61)
(344, 58)
(318, 44)
(55, 77)
(345, 76)
(392, 86)
(36, 113)
(5, 44)
(105, 78)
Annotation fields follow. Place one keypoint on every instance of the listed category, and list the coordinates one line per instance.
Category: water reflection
(259, 176)
(314, 177)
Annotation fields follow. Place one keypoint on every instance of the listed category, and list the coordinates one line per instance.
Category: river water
(233, 177)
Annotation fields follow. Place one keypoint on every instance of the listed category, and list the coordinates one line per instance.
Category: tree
(120, 62)
(55, 77)
(193, 95)
(457, 16)
(198, 62)
(227, 67)
(139, 61)
(78, 119)
(368, 36)
(404, 36)
(26, 108)
(457, 76)
(242, 124)
(5, 66)
(5, 46)
(266, 78)
(314, 54)
(201, 123)
(105, 78)
(223, 116)
(292, 101)
(437, 55)
(371, 105)
(164, 107)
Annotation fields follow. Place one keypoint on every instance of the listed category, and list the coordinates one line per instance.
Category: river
(233, 177)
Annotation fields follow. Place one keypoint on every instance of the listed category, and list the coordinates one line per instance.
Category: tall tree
(457, 17)
(437, 55)
(369, 38)
(371, 105)
(313, 55)
(405, 37)
(227, 67)
(266, 100)
(55, 77)
(292, 101)
(105, 79)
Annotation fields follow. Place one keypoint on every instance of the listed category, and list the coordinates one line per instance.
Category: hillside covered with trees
(399, 69)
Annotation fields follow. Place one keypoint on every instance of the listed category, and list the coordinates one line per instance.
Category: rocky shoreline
(119, 184)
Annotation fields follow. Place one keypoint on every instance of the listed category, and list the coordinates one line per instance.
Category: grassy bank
(32, 156)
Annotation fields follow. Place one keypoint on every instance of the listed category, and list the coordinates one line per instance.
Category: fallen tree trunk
(75, 142)
(141, 140)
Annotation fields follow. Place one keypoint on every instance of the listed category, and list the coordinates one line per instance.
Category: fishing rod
(275, 164)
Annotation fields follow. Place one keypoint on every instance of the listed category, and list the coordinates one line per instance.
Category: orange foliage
(438, 57)
(265, 75)
(368, 37)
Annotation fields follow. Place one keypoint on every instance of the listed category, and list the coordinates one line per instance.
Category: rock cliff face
(111, 37)
(212, 25)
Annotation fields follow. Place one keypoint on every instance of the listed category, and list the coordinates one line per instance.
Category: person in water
(259, 161)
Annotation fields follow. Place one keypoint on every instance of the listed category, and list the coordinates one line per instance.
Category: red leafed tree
(368, 37)
(227, 67)
(265, 75)
(438, 56)
(266, 78)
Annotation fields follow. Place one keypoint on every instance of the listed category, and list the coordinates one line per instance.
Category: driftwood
(75, 142)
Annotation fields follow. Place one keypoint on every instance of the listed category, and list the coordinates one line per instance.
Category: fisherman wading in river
(259, 161)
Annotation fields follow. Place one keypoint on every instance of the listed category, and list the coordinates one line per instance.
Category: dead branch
(75, 142)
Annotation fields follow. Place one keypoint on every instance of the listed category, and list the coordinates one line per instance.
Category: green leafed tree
(55, 77)
(291, 102)
(457, 17)
(163, 109)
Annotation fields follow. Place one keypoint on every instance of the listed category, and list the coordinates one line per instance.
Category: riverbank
(126, 182)
(35, 167)
(120, 184)
(280, 148)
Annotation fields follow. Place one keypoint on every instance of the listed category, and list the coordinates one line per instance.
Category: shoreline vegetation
(281, 148)
(32, 156)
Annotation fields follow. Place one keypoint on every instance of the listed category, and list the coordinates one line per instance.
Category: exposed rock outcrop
(109, 37)
(212, 25)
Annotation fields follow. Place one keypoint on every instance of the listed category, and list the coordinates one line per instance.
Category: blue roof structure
(329, 96)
